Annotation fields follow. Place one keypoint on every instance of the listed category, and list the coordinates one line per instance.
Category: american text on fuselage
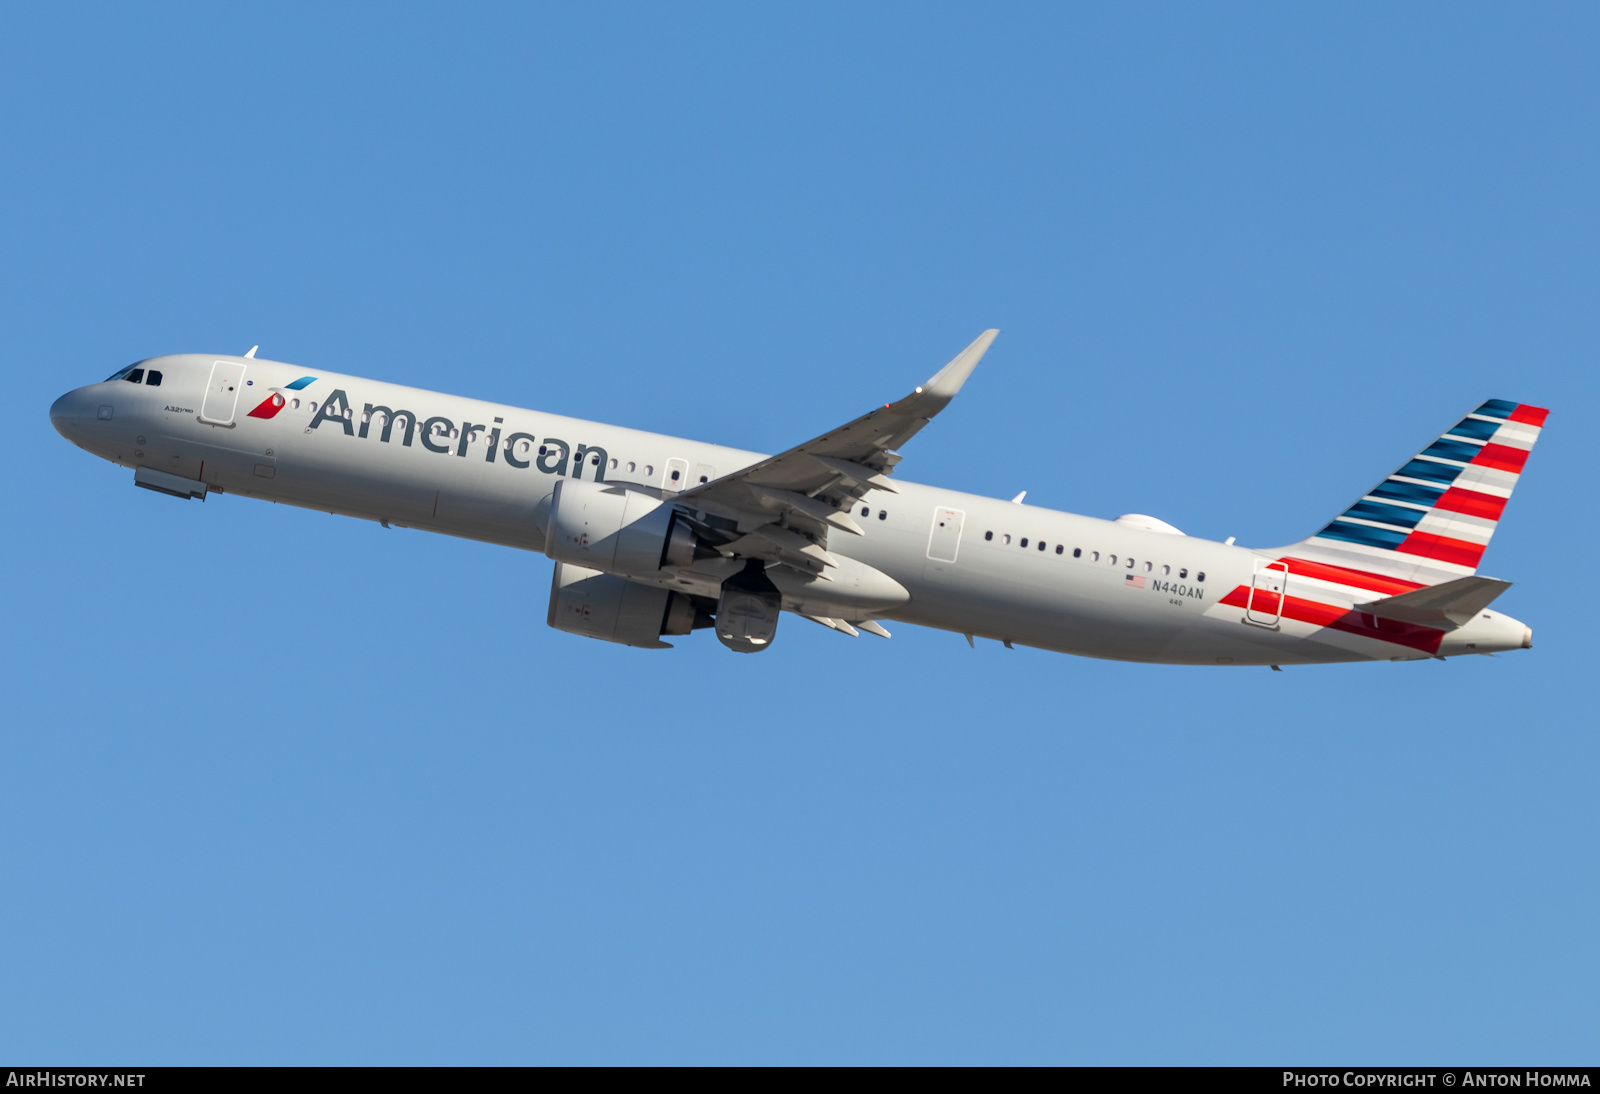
(654, 536)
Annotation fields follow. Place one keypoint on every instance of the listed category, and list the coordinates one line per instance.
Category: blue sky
(281, 787)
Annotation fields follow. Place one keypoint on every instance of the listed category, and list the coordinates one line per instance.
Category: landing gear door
(1267, 590)
(222, 393)
(944, 541)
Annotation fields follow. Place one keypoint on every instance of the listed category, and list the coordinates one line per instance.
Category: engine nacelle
(614, 609)
(606, 527)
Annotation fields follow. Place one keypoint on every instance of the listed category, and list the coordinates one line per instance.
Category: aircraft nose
(63, 412)
(70, 413)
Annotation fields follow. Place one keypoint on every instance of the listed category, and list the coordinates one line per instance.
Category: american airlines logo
(268, 408)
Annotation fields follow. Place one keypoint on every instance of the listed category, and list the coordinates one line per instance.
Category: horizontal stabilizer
(1446, 606)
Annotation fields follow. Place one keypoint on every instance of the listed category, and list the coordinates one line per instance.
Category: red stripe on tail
(1458, 499)
(1502, 458)
(1410, 635)
(1442, 549)
(1529, 415)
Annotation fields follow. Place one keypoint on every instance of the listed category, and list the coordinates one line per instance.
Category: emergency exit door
(676, 475)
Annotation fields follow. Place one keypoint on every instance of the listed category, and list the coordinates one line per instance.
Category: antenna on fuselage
(252, 352)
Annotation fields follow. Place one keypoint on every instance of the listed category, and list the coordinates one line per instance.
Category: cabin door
(1267, 590)
(944, 541)
(222, 393)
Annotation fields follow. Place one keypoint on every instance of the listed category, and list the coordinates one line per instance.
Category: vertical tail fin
(1431, 520)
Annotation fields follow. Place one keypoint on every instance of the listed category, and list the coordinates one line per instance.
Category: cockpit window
(136, 375)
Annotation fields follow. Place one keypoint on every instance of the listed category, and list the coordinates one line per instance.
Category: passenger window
(1166, 571)
(613, 465)
(1201, 576)
(675, 474)
(1113, 559)
(649, 469)
(134, 377)
(1041, 545)
(294, 404)
(704, 480)
(866, 511)
(883, 514)
(988, 535)
(1077, 552)
(1148, 566)
(632, 467)
(1183, 572)
(1059, 548)
(1130, 564)
(1024, 541)
(1006, 537)
(1095, 555)
(152, 378)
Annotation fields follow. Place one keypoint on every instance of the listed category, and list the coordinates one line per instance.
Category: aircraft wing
(784, 507)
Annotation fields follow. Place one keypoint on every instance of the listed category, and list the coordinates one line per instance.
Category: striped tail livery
(1431, 520)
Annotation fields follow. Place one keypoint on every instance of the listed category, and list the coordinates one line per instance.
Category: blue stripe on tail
(1476, 428)
(1446, 449)
(1413, 492)
(1433, 472)
(1360, 533)
(1388, 514)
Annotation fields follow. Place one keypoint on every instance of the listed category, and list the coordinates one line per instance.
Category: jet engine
(603, 534)
(614, 609)
(609, 528)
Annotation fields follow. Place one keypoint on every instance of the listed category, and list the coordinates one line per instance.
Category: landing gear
(747, 613)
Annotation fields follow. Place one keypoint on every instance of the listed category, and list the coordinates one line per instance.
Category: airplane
(655, 536)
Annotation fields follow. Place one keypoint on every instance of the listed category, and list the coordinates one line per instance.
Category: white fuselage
(990, 568)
